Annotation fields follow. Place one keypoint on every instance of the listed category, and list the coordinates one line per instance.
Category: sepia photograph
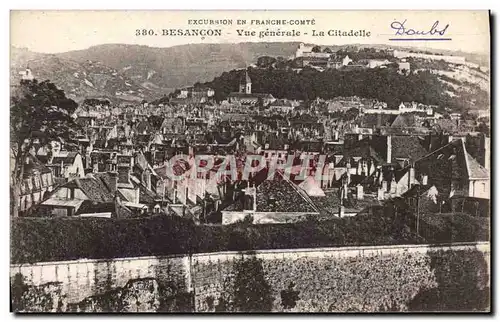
(250, 161)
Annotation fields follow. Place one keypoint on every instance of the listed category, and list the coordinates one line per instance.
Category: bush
(53, 239)
(385, 85)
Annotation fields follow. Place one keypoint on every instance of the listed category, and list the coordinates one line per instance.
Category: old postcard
(250, 161)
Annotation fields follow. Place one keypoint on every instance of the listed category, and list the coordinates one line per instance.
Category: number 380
(144, 32)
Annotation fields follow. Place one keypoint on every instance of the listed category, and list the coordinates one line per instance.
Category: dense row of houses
(136, 162)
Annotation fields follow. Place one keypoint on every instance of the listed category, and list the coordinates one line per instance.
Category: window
(484, 187)
(440, 156)
(36, 182)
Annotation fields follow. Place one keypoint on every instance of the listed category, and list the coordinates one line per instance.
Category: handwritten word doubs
(402, 30)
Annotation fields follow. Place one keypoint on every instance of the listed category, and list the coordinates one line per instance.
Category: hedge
(53, 239)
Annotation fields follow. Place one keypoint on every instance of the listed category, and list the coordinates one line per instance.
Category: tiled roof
(376, 120)
(105, 178)
(237, 117)
(282, 195)
(445, 166)
(147, 197)
(89, 207)
(329, 204)
(250, 96)
(476, 171)
(407, 147)
(143, 126)
(309, 146)
(417, 189)
(67, 158)
(180, 167)
(276, 142)
(277, 195)
(93, 188)
(283, 102)
(304, 118)
(34, 165)
(361, 149)
(404, 121)
(311, 187)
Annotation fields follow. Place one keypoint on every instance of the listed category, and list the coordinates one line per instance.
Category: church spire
(246, 83)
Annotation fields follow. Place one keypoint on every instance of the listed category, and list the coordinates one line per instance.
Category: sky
(61, 31)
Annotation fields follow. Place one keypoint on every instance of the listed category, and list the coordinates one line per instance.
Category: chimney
(424, 179)
(393, 186)
(113, 183)
(486, 153)
(389, 149)
(137, 194)
(348, 172)
(148, 179)
(411, 177)
(254, 198)
(359, 192)
(380, 193)
(50, 157)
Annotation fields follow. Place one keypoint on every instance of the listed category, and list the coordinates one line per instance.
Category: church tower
(246, 84)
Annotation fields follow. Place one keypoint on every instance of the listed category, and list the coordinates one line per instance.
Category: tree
(39, 112)
(94, 102)
(316, 49)
(327, 50)
(260, 103)
(265, 61)
(281, 63)
(483, 128)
